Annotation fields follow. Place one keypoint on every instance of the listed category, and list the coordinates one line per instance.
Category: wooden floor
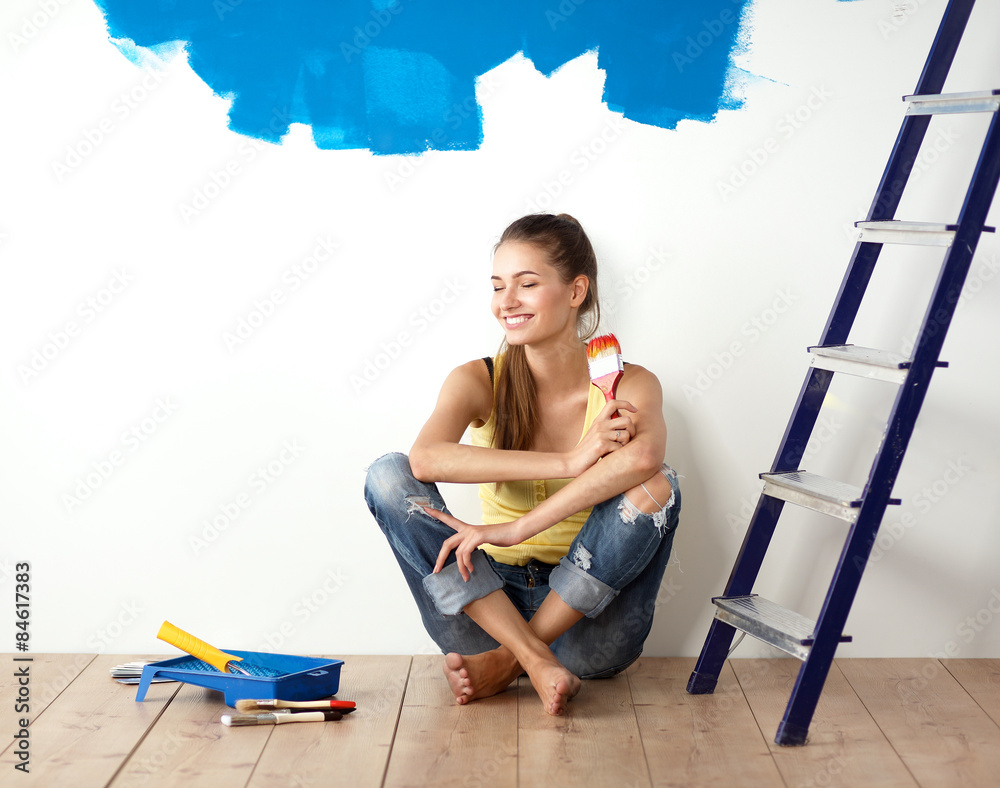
(885, 722)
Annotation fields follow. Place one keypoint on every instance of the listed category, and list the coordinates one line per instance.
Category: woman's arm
(467, 398)
(619, 471)
(616, 473)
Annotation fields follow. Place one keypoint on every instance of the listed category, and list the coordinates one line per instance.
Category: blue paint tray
(300, 678)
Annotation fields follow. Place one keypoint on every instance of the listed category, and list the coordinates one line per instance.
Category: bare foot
(555, 686)
(480, 675)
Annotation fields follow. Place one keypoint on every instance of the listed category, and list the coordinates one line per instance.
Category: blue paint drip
(399, 76)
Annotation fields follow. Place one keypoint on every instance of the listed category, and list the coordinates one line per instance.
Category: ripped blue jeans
(611, 574)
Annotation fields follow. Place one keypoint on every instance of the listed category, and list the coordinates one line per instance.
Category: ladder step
(827, 496)
(897, 232)
(769, 622)
(920, 233)
(949, 103)
(864, 362)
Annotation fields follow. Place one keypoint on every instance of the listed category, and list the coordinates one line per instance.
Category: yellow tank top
(514, 499)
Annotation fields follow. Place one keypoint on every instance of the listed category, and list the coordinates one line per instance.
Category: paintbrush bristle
(604, 358)
(251, 705)
(239, 720)
(604, 345)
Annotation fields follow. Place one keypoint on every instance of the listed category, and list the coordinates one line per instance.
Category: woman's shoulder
(637, 378)
(477, 370)
(631, 369)
(472, 382)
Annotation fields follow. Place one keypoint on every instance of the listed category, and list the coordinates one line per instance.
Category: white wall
(149, 385)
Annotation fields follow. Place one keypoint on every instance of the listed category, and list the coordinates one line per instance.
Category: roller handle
(198, 648)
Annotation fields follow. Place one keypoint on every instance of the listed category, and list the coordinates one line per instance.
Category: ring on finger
(617, 435)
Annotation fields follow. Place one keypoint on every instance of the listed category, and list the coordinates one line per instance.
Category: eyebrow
(519, 273)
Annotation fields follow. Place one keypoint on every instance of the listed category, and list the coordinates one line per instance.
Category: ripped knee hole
(415, 504)
(652, 496)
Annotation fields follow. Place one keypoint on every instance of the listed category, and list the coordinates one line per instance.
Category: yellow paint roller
(220, 660)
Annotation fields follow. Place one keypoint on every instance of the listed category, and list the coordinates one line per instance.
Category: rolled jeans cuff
(578, 589)
(451, 593)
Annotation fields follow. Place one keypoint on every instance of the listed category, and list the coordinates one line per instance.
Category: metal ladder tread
(899, 232)
(951, 103)
(819, 493)
(864, 362)
(769, 622)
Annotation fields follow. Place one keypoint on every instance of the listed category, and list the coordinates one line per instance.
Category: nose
(509, 299)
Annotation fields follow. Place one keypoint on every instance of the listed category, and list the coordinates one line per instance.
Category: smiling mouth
(516, 320)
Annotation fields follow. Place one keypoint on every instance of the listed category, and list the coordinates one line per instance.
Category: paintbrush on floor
(247, 704)
(279, 718)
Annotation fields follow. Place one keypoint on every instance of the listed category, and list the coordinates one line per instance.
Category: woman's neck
(558, 368)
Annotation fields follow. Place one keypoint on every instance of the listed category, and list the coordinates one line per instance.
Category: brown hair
(569, 251)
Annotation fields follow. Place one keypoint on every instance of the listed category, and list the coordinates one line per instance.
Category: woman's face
(530, 300)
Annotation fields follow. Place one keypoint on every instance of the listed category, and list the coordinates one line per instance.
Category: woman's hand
(469, 537)
(608, 432)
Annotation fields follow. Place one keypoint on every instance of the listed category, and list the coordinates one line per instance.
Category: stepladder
(860, 509)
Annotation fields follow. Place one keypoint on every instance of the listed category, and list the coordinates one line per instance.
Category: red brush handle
(608, 384)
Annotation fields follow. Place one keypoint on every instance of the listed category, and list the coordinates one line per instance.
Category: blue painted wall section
(399, 76)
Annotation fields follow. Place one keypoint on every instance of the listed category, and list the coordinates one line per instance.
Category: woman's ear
(580, 286)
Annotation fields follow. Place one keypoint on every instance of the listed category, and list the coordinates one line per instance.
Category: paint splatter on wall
(399, 76)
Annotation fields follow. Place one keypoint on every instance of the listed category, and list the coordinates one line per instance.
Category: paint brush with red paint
(270, 704)
(604, 356)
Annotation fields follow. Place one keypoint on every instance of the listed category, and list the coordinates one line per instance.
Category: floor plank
(440, 743)
(351, 752)
(190, 746)
(701, 740)
(981, 679)
(88, 730)
(48, 675)
(939, 731)
(596, 743)
(845, 746)
(879, 722)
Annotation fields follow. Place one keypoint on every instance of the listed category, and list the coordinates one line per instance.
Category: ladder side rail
(808, 687)
(883, 208)
(958, 260)
(752, 552)
(705, 676)
(897, 172)
(931, 81)
(720, 634)
(942, 52)
(938, 315)
(853, 561)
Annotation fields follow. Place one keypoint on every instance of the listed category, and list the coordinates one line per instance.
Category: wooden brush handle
(196, 647)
